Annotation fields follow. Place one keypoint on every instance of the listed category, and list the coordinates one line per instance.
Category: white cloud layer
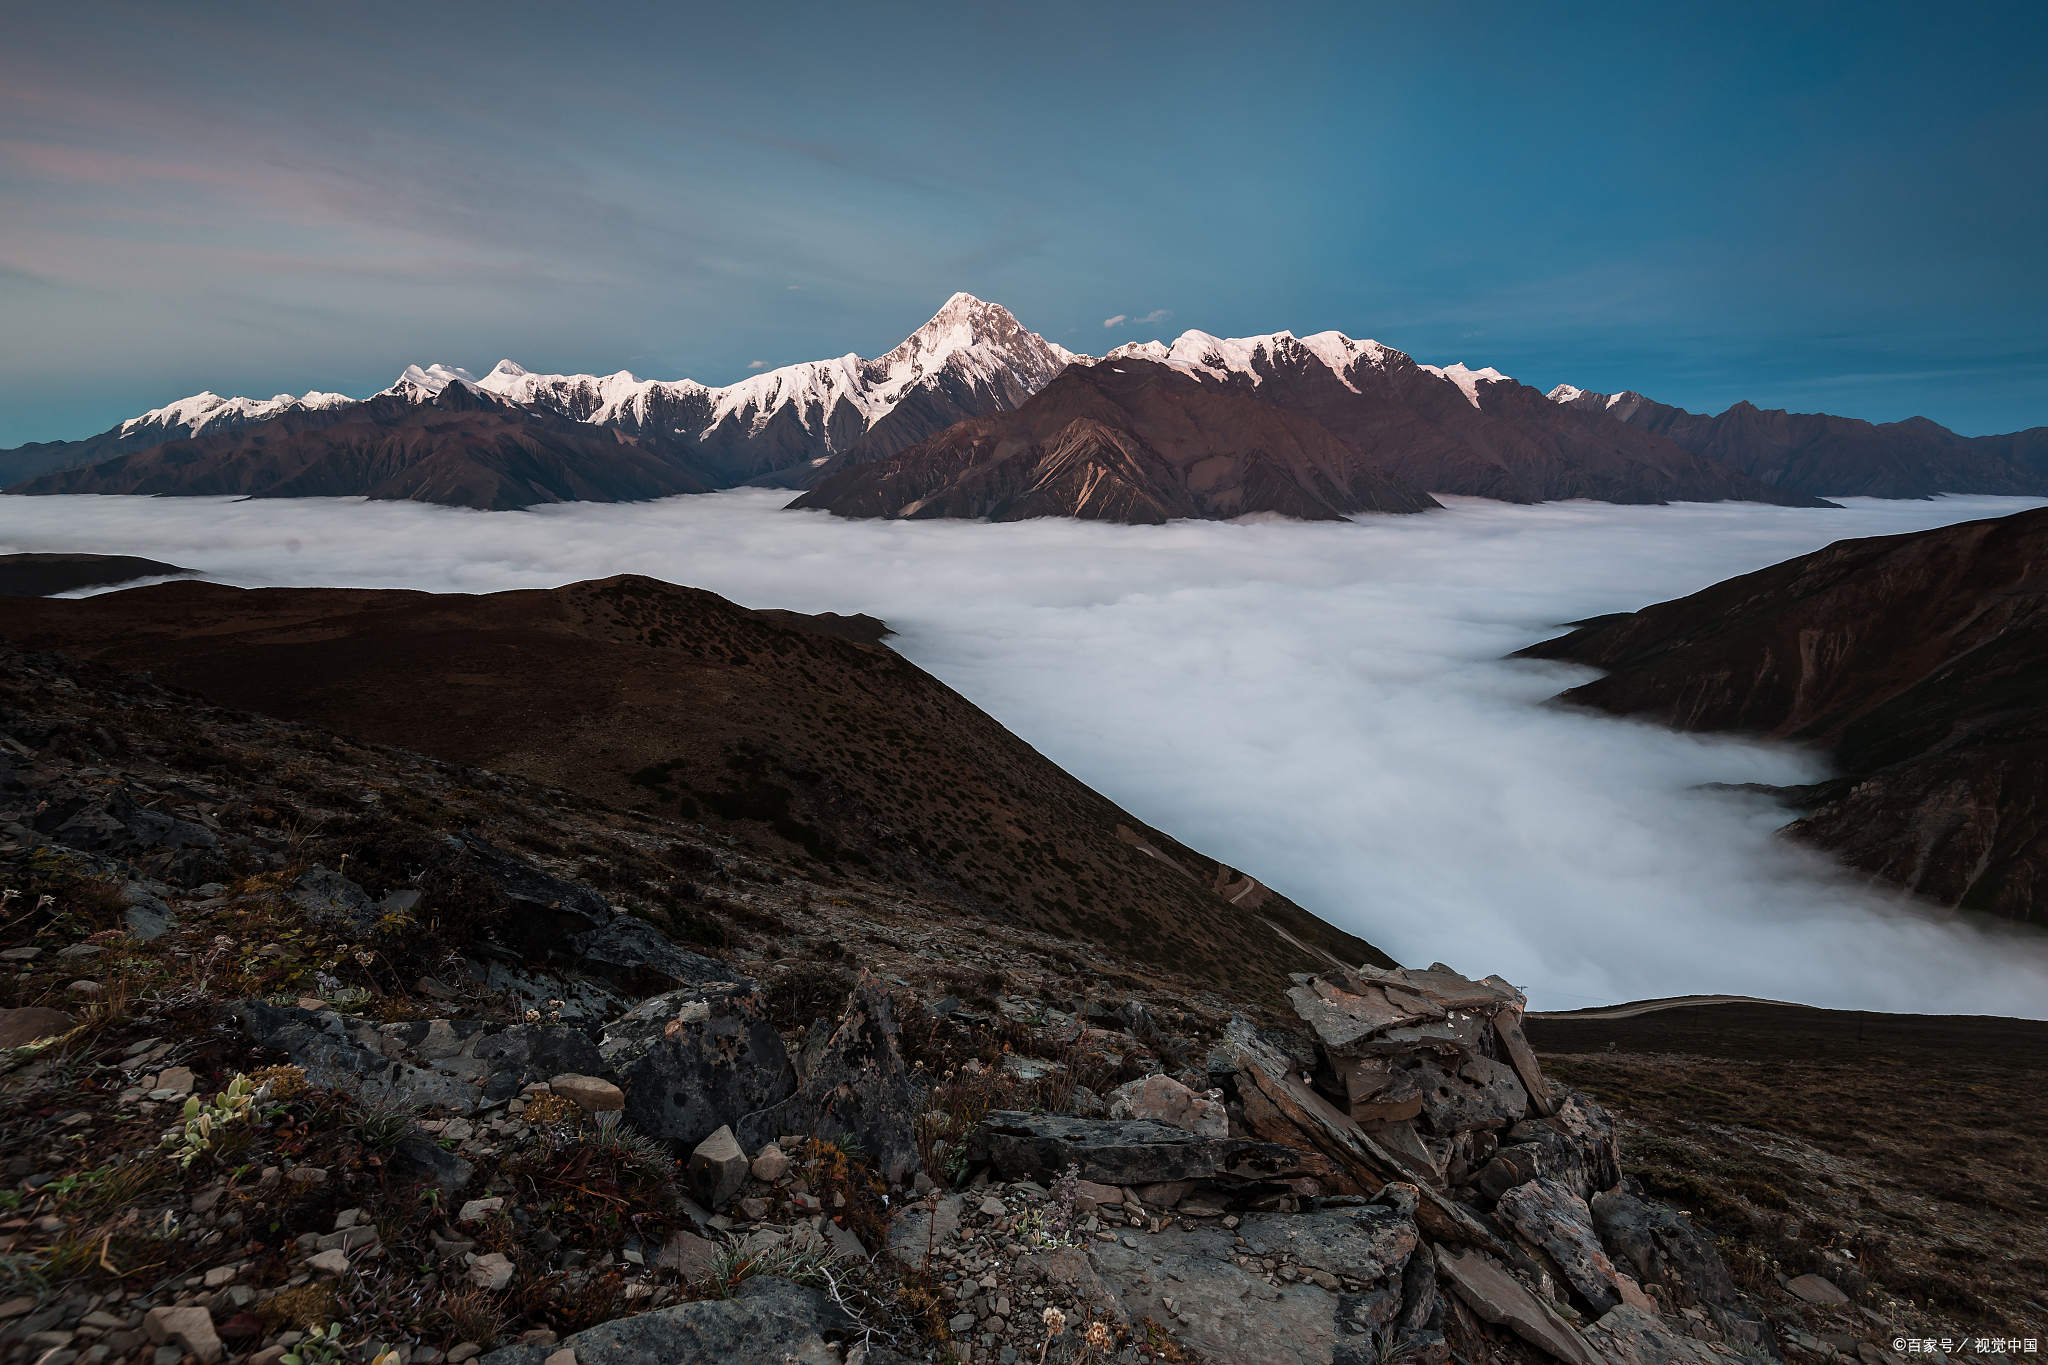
(1324, 706)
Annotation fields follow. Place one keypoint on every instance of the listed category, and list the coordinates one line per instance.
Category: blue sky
(1824, 207)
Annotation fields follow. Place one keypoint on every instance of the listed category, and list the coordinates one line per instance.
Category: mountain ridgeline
(1136, 442)
(1817, 453)
(792, 734)
(1408, 429)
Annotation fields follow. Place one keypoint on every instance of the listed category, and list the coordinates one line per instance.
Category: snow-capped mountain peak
(1565, 393)
(1468, 379)
(1218, 357)
(433, 379)
(209, 410)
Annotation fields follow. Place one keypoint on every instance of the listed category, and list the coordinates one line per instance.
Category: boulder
(148, 918)
(419, 1157)
(554, 919)
(1555, 1219)
(717, 1169)
(1511, 1166)
(770, 1164)
(1165, 1100)
(1127, 1152)
(766, 1320)
(191, 1328)
(1661, 1246)
(451, 1064)
(327, 896)
(698, 1059)
(1480, 1093)
(591, 1094)
(857, 1085)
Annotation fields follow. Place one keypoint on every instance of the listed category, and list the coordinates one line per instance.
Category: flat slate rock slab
(768, 1322)
(1122, 1151)
(1230, 1313)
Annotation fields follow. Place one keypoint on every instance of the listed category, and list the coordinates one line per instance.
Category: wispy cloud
(757, 364)
(1117, 321)
(1141, 320)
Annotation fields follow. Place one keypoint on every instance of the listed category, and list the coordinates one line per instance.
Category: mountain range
(1815, 452)
(524, 438)
(1136, 442)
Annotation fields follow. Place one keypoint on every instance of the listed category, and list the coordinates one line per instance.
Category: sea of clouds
(1324, 706)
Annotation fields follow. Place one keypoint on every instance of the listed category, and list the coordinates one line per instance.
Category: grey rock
(695, 1060)
(1816, 1289)
(768, 1322)
(1510, 1167)
(1577, 1144)
(327, 895)
(717, 1169)
(1659, 1245)
(554, 919)
(147, 917)
(418, 1157)
(451, 1064)
(1628, 1336)
(857, 1084)
(1498, 1298)
(1555, 1219)
(1481, 1094)
(1120, 1152)
(921, 1229)
(1219, 1308)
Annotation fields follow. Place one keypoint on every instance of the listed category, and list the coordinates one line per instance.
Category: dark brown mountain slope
(39, 575)
(1816, 452)
(461, 447)
(1132, 441)
(640, 693)
(1921, 660)
(1456, 431)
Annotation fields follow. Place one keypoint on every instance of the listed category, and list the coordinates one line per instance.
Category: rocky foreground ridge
(324, 1051)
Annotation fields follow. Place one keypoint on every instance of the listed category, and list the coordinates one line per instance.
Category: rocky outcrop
(1916, 660)
(855, 1084)
(696, 1060)
(458, 1064)
(1134, 442)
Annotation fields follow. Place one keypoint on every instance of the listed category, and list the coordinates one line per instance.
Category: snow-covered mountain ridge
(971, 357)
(1249, 357)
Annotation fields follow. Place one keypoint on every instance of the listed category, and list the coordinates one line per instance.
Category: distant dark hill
(1831, 456)
(1132, 441)
(1920, 660)
(461, 447)
(39, 575)
(777, 731)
